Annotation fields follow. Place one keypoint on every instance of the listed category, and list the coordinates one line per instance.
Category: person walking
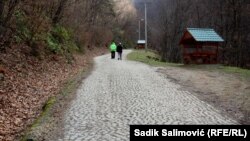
(113, 48)
(119, 51)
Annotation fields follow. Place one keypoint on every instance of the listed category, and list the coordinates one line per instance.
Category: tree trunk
(59, 11)
(2, 3)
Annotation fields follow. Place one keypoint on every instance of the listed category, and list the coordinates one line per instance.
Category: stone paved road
(120, 93)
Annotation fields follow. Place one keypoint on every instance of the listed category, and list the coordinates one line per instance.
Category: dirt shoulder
(227, 92)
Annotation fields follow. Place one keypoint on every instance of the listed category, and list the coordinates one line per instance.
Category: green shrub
(53, 44)
(60, 41)
(56, 38)
(61, 33)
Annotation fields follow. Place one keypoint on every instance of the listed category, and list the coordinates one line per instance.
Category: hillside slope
(28, 82)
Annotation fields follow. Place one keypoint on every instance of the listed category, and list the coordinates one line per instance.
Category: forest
(61, 26)
(79, 24)
(167, 20)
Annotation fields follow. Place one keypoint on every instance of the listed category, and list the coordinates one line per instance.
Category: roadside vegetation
(151, 58)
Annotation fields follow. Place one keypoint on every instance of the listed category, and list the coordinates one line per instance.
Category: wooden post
(217, 52)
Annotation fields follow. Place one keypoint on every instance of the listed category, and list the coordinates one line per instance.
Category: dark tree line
(230, 18)
(37, 22)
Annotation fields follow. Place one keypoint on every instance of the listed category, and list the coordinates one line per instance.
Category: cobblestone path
(120, 93)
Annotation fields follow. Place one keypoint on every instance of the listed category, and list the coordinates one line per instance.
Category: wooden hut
(200, 46)
(141, 44)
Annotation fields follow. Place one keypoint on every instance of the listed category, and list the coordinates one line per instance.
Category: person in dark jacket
(119, 51)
